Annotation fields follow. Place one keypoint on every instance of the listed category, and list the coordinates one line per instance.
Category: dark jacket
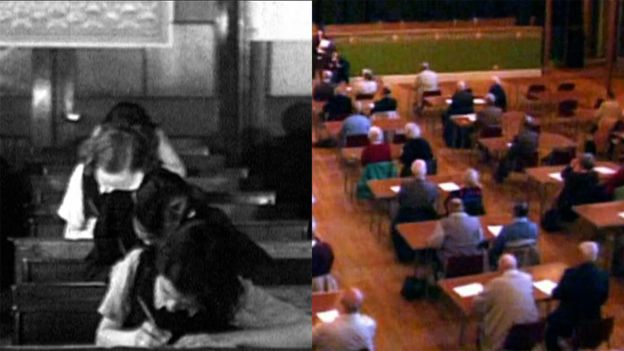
(340, 71)
(385, 104)
(501, 98)
(578, 188)
(414, 149)
(338, 106)
(581, 292)
(323, 91)
(462, 103)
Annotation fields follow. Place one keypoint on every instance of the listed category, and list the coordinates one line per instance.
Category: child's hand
(148, 335)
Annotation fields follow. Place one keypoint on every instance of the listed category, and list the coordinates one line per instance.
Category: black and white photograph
(155, 174)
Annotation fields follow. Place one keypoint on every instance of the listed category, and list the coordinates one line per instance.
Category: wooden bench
(47, 260)
(66, 313)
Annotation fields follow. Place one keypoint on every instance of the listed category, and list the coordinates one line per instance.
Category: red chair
(357, 140)
(364, 96)
(567, 108)
(534, 90)
(562, 156)
(432, 93)
(491, 132)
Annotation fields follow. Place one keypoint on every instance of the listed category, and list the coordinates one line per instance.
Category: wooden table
(354, 154)
(547, 142)
(416, 234)
(550, 271)
(604, 217)
(324, 301)
(540, 177)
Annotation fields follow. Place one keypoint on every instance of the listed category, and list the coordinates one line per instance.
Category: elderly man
(506, 300)
(324, 90)
(491, 115)
(417, 202)
(520, 231)
(356, 124)
(456, 235)
(462, 103)
(523, 147)
(497, 90)
(351, 330)
(581, 292)
(366, 85)
(385, 104)
(338, 106)
(426, 80)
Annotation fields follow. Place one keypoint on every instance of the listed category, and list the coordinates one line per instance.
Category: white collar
(160, 300)
(118, 183)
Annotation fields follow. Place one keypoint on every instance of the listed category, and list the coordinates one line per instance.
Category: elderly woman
(377, 150)
(470, 194)
(367, 85)
(416, 148)
(417, 202)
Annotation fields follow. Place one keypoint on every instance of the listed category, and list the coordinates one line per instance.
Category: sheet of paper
(621, 214)
(604, 170)
(448, 101)
(508, 144)
(448, 186)
(479, 101)
(556, 176)
(327, 316)
(546, 286)
(495, 229)
(469, 289)
(395, 188)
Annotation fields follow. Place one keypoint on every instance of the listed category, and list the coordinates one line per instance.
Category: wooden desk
(382, 188)
(604, 217)
(324, 301)
(416, 234)
(546, 143)
(550, 271)
(540, 177)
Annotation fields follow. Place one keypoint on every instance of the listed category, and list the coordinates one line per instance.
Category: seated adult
(458, 234)
(490, 116)
(356, 124)
(322, 261)
(377, 150)
(462, 103)
(366, 85)
(385, 104)
(523, 147)
(426, 80)
(415, 148)
(505, 300)
(417, 202)
(470, 194)
(580, 186)
(581, 292)
(340, 68)
(497, 90)
(338, 106)
(609, 119)
(324, 90)
(520, 231)
(351, 330)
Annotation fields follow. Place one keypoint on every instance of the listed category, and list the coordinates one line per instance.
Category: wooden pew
(46, 260)
(66, 313)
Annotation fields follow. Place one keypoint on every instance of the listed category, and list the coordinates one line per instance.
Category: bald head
(456, 205)
(589, 250)
(461, 85)
(352, 300)
(419, 169)
(507, 262)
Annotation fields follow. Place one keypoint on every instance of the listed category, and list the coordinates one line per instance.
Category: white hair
(496, 80)
(425, 65)
(375, 134)
(327, 75)
(471, 177)
(490, 98)
(412, 130)
(589, 250)
(419, 169)
(507, 261)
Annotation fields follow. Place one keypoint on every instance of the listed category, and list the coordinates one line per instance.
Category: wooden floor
(366, 260)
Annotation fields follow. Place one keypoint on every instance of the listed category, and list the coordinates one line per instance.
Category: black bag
(413, 288)
(550, 220)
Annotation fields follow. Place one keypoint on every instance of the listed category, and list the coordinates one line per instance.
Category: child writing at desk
(184, 290)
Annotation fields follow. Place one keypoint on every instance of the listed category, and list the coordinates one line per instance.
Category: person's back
(338, 106)
(501, 98)
(526, 142)
(462, 102)
(462, 235)
(505, 301)
(418, 194)
(490, 116)
(356, 124)
(387, 103)
(427, 80)
(323, 91)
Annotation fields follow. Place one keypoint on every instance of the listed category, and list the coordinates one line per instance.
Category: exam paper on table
(327, 316)
(448, 187)
(469, 289)
(604, 170)
(546, 286)
(395, 188)
(621, 214)
(495, 229)
(556, 176)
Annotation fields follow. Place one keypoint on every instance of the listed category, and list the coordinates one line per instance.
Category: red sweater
(376, 153)
(615, 181)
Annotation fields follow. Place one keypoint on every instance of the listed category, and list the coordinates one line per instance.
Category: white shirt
(352, 331)
(427, 80)
(365, 87)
